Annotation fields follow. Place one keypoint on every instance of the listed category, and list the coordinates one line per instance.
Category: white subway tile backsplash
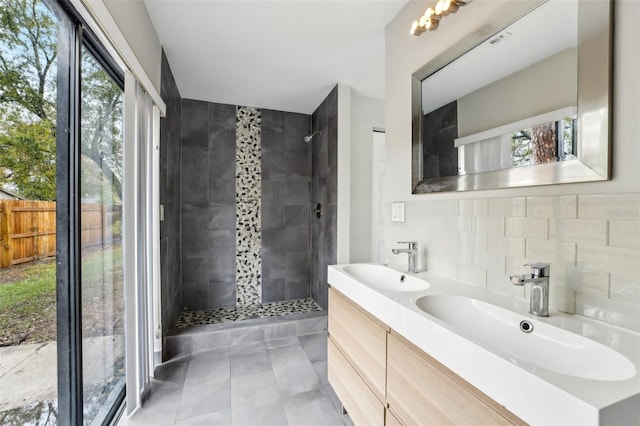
(507, 207)
(515, 265)
(473, 207)
(434, 208)
(591, 241)
(472, 275)
(624, 234)
(625, 289)
(444, 267)
(526, 227)
(550, 251)
(611, 207)
(488, 225)
(476, 242)
(490, 261)
(611, 259)
(611, 311)
(558, 207)
(579, 231)
(500, 283)
(464, 223)
(580, 280)
(508, 246)
(562, 299)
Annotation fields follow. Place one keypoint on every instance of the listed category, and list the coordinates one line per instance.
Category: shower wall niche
(245, 187)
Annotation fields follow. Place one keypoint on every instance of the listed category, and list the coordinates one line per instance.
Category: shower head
(308, 138)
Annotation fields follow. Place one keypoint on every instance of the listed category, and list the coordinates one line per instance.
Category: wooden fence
(28, 229)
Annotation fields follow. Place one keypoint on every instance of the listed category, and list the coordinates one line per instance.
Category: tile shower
(246, 183)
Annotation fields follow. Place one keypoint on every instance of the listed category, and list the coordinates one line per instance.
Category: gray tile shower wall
(170, 248)
(210, 175)
(286, 176)
(324, 191)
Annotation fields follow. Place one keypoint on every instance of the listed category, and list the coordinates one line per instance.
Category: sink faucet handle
(538, 269)
(412, 244)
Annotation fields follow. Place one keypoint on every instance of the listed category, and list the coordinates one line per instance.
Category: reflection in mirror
(510, 102)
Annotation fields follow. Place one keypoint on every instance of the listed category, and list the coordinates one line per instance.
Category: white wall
(133, 20)
(366, 113)
(501, 102)
(592, 242)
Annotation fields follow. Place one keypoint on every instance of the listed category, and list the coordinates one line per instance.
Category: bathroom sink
(385, 278)
(522, 338)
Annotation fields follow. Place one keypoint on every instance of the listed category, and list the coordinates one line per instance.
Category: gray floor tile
(321, 369)
(203, 398)
(210, 353)
(250, 363)
(218, 418)
(282, 342)
(315, 345)
(247, 348)
(311, 408)
(262, 414)
(208, 370)
(280, 381)
(255, 400)
(293, 370)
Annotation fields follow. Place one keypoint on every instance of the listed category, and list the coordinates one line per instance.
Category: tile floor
(267, 383)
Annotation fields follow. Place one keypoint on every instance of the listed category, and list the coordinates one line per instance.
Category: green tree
(28, 37)
(27, 98)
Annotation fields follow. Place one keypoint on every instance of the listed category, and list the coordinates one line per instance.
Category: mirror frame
(595, 49)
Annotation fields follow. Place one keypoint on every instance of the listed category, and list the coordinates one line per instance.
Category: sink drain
(526, 326)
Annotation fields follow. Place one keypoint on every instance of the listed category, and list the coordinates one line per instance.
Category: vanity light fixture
(432, 16)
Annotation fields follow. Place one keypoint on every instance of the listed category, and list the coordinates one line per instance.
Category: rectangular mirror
(524, 101)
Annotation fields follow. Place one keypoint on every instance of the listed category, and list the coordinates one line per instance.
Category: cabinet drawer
(390, 419)
(421, 391)
(363, 407)
(361, 338)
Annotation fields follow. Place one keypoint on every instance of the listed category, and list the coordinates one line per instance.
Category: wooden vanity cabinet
(361, 338)
(383, 379)
(420, 391)
(363, 406)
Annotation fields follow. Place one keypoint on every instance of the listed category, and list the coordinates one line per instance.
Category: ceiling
(282, 55)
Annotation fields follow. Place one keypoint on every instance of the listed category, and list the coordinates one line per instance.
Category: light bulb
(414, 27)
(428, 13)
(446, 4)
(439, 6)
(423, 21)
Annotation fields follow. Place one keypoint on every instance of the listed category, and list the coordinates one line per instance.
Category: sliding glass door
(90, 271)
(102, 311)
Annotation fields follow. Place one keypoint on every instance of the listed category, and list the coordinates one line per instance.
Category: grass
(27, 306)
(28, 298)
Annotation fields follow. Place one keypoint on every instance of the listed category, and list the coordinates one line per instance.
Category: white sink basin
(548, 347)
(383, 277)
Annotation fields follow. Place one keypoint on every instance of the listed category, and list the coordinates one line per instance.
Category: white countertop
(536, 395)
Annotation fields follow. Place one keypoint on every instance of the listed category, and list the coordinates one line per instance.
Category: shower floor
(222, 315)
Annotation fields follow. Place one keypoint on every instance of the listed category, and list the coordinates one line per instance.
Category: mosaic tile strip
(248, 224)
(240, 313)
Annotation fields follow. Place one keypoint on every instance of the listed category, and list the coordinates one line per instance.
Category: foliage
(27, 99)
(28, 39)
(101, 122)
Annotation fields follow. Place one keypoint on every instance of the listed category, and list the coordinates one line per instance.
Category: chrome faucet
(539, 279)
(412, 251)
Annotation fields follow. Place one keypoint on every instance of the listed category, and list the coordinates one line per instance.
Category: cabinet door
(361, 338)
(390, 419)
(421, 391)
(363, 407)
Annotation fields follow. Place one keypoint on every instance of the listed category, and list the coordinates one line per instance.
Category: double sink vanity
(425, 349)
